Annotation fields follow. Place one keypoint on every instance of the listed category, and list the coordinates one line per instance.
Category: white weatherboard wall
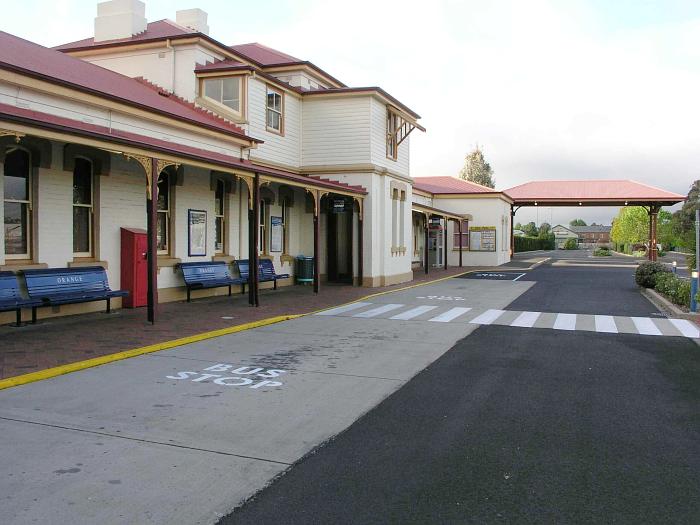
(336, 131)
(491, 211)
(282, 149)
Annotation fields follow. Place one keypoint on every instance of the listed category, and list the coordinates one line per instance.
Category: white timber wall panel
(378, 130)
(54, 201)
(336, 131)
(122, 204)
(279, 149)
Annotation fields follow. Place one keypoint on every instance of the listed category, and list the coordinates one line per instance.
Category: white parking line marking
(449, 315)
(645, 326)
(378, 311)
(606, 324)
(687, 328)
(413, 312)
(526, 319)
(518, 277)
(565, 322)
(488, 317)
(343, 309)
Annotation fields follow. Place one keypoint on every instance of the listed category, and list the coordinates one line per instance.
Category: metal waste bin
(304, 272)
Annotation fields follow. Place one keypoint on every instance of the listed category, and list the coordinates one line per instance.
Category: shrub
(647, 271)
(526, 244)
(571, 244)
(676, 289)
(601, 252)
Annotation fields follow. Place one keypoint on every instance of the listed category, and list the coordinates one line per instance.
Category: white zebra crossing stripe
(526, 319)
(557, 321)
(488, 317)
(687, 328)
(343, 309)
(449, 315)
(565, 322)
(646, 326)
(606, 324)
(413, 312)
(379, 310)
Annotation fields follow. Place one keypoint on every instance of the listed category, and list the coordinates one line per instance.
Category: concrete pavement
(184, 435)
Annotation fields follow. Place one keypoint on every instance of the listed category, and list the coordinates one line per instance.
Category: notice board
(482, 238)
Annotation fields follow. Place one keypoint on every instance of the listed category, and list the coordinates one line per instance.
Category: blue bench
(266, 272)
(201, 275)
(57, 286)
(11, 297)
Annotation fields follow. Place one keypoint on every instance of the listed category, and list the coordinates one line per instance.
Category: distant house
(563, 234)
(591, 236)
(519, 233)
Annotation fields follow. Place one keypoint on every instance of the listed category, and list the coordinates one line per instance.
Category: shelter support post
(653, 217)
(151, 167)
(317, 258)
(512, 228)
(444, 243)
(360, 243)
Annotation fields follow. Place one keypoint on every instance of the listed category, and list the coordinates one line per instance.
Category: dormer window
(224, 91)
(274, 110)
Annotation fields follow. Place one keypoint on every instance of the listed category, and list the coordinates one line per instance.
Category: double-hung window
(82, 208)
(274, 110)
(219, 214)
(226, 91)
(164, 201)
(465, 235)
(17, 198)
(262, 232)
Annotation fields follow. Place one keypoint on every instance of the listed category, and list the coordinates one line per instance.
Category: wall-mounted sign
(338, 205)
(197, 233)
(482, 239)
(276, 234)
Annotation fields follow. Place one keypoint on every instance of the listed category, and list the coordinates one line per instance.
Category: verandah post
(317, 270)
(426, 256)
(152, 234)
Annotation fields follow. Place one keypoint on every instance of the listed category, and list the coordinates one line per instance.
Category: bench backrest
(267, 269)
(9, 286)
(243, 268)
(202, 272)
(58, 281)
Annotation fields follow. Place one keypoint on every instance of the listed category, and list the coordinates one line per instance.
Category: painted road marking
(378, 311)
(442, 298)
(562, 321)
(488, 317)
(343, 309)
(233, 375)
(646, 326)
(413, 312)
(687, 328)
(449, 315)
(565, 322)
(606, 324)
(526, 319)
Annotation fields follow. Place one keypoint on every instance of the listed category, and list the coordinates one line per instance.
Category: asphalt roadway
(520, 425)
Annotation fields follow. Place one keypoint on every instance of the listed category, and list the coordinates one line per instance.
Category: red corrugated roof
(590, 191)
(115, 136)
(154, 31)
(264, 55)
(26, 57)
(222, 65)
(447, 185)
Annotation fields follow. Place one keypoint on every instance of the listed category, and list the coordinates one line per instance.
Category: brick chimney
(195, 19)
(118, 19)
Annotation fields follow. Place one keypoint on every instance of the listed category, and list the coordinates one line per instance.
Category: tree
(518, 226)
(631, 226)
(544, 231)
(530, 229)
(476, 169)
(578, 222)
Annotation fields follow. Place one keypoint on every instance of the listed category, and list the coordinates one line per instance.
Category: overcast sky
(560, 89)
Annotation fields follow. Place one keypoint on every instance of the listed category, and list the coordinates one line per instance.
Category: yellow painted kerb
(97, 361)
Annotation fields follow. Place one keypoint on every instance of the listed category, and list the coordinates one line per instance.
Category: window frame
(218, 106)
(220, 216)
(392, 146)
(268, 90)
(91, 214)
(285, 226)
(465, 234)
(167, 212)
(29, 209)
(262, 228)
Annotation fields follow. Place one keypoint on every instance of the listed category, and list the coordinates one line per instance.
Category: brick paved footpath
(62, 340)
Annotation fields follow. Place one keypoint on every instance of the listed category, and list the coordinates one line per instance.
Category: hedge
(676, 289)
(528, 244)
